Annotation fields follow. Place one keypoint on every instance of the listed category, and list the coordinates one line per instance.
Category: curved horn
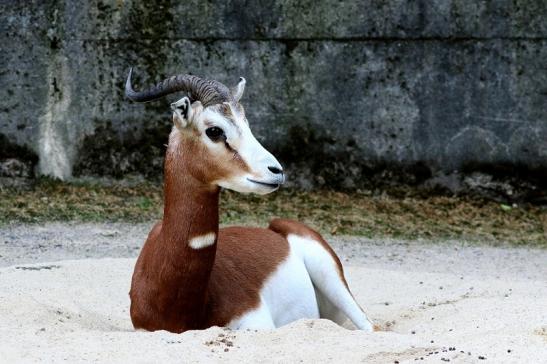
(208, 92)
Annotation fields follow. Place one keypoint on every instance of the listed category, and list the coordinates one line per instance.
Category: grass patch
(360, 213)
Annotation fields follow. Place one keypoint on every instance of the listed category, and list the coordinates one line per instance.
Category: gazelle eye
(215, 134)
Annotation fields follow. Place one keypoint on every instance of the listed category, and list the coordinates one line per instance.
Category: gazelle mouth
(271, 185)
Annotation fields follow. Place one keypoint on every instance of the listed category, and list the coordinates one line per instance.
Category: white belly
(288, 295)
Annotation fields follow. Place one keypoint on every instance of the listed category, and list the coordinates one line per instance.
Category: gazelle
(192, 275)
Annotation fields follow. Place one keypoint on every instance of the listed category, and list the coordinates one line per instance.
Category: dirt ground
(63, 296)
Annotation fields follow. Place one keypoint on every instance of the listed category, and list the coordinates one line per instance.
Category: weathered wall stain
(349, 94)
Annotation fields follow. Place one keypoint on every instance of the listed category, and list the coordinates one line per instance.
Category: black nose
(275, 170)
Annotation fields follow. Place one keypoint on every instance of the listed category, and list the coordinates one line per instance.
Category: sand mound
(78, 311)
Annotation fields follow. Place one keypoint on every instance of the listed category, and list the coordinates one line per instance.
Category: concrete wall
(347, 94)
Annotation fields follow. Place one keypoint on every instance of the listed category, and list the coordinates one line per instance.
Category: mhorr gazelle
(191, 274)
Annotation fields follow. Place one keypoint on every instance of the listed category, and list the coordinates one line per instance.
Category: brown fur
(245, 259)
(177, 288)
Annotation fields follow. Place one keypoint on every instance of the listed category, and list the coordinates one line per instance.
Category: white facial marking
(202, 241)
(256, 157)
(241, 142)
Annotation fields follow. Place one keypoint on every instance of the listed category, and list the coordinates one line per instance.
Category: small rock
(12, 167)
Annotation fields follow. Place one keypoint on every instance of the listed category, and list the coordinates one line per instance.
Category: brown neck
(191, 210)
(190, 207)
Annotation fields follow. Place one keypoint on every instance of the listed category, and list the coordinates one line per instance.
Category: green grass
(405, 216)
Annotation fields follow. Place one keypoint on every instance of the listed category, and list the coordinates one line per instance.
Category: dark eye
(215, 134)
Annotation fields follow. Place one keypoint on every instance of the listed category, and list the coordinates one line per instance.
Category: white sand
(429, 298)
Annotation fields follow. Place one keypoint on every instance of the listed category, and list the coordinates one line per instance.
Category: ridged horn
(208, 92)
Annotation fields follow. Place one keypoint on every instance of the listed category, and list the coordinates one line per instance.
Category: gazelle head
(218, 144)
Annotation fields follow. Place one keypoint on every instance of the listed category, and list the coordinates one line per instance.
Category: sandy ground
(63, 297)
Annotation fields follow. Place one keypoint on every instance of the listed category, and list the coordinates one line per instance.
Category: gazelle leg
(327, 279)
(328, 310)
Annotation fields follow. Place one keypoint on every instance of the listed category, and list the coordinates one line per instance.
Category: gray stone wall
(348, 94)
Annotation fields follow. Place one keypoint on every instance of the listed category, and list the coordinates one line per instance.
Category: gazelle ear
(237, 91)
(182, 112)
